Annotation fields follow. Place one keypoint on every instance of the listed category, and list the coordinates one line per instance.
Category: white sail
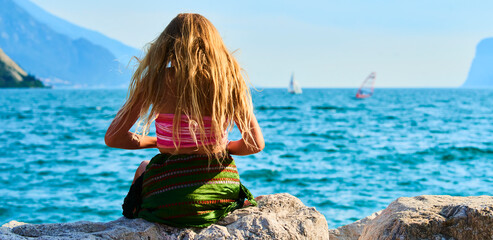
(293, 86)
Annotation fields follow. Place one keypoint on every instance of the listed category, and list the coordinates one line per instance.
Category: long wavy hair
(190, 63)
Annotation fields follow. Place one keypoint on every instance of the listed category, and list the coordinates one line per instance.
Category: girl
(191, 86)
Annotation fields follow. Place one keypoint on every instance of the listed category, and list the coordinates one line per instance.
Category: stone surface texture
(425, 217)
(352, 231)
(278, 216)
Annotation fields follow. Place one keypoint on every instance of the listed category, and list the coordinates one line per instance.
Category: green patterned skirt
(187, 191)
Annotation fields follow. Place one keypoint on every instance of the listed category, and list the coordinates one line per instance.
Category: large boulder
(425, 217)
(278, 216)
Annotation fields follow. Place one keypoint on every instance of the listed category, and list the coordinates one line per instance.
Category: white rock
(352, 231)
(426, 217)
(278, 216)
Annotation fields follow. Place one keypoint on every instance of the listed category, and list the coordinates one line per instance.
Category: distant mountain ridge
(481, 71)
(13, 76)
(58, 58)
(121, 51)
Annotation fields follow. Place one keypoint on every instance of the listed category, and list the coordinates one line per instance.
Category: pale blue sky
(326, 43)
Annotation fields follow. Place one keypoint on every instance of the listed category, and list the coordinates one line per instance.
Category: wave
(427, 106)
(274, 146)
(327, 107)
(445, 154)
(263, 108)
(332, 134)
(313, 147)
(283, 119)
(389, 118)
(288, 155)
(457, 150)
(268, 175)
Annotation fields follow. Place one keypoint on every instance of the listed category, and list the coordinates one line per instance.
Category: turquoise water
(346, 157)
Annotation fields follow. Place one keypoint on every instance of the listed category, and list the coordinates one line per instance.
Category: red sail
(366, 89)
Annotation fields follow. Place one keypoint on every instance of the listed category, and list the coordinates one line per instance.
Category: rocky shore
(282, 216)
(439, 217)
(278, 216)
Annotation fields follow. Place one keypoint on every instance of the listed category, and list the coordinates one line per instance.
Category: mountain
(121, 51)
(61, 60)
(481, 71)
(12, 76)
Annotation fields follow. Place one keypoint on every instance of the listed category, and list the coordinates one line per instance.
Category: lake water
(344, 156)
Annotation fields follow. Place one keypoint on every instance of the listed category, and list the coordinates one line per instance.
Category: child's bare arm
(255, 144)
(118, 134)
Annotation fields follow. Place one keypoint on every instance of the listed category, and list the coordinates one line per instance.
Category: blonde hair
(204, 78)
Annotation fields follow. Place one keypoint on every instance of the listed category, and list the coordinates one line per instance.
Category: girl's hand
(147, 142)
(255, 145)
(151, 142)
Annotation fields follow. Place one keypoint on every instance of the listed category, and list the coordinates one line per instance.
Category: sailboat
(366, 89)
(294, 88)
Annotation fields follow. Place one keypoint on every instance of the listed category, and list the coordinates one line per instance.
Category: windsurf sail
(293, 86)
(366, 89)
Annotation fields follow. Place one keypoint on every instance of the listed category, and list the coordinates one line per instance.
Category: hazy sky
(332, 43)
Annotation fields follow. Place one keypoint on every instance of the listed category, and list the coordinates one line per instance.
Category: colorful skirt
(186, 191)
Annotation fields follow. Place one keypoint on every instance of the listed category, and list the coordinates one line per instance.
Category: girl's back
(192, 87)
(164, 123)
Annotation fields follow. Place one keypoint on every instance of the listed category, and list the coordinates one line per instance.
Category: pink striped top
(164, 132)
